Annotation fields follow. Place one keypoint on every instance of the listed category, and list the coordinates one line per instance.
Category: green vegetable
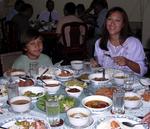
(65, 102)
(75, 82)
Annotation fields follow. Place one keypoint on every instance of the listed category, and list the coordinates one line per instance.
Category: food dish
(97, 78)
(65, 102)
(106, 91)
(89, 125)
(106, 122)
(64, 74)
(7, 123)
(84, 77)
(97, 104)
(33, 91)
(75, 82)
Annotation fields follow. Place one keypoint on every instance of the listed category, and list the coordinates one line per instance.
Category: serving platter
(7, 123)
(105, 123)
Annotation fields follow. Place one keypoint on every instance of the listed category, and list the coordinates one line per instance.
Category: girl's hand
(120, 60)
(147, 119)
(93, 62)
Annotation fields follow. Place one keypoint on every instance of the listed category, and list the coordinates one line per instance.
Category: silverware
(39, 78)
(108, 55)
(132, 125)
(44, 72)
(103, 72)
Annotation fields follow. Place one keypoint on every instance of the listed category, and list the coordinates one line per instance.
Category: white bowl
(132, 100)
(119, 78)
(97, 98)
(18, 73)
(145, 81)
(52, 86)
(92, 78)
(77, 64)
(68, 74)
(20, 103)
(33, 89)
(74, 93)
(78, 116)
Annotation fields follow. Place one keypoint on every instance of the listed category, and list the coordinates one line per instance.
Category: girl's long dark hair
(125, 32)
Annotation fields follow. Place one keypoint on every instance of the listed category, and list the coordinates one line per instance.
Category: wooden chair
(7, 59)
(10, 36)
(74, 35)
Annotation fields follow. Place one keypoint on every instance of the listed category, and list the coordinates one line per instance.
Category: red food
(114, 125)
(28, 82)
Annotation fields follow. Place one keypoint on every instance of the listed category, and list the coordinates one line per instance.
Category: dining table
(135, 114)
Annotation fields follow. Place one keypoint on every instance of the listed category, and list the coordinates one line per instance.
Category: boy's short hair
(29, 35)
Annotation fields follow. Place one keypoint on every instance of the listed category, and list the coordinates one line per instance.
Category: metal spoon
(132, 125)
(39, 78)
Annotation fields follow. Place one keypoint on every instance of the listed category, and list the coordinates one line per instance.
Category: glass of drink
(33, 69)
(129, 81)
(53, 112)
(118, 102)
(13, 91)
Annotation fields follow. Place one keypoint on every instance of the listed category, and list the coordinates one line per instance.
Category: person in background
(147, 119)
(17, 8)
(21, 20)
(80, 10)
(49, 15)
(69, 16)
(100, 8)
(32, 44)
(117, 48)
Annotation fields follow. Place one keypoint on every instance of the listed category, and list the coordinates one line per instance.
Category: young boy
(32, 45)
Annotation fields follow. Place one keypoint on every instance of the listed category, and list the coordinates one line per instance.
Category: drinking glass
(33, 69)
(118, 102)
(129, 81)
(12, 90)
(53, 112)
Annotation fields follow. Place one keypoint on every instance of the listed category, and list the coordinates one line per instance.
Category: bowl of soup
(97, 103)
(77, 64)
(97, 78)
(20, 103)
(52, 86)
(78, 116)
(119, 78)
(132, 100)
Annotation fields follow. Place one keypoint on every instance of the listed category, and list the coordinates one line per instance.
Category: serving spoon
(132, 125)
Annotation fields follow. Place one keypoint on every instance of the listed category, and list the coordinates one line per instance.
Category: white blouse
(131, 49)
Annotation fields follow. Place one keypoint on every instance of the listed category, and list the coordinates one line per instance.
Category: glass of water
(53, 112)
(33, 69)
(129, 81)
(118, 102)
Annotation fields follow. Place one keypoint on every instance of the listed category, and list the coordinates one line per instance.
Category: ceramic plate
(10, 122)
(105, 123)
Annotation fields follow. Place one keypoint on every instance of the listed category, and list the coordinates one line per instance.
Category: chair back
(10, 36)
(7, 60)
(74, 34)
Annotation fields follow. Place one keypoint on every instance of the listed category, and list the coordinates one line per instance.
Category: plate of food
(75, 82)
(66, 102)
(25, 122)
(115, 122)
(33, 91)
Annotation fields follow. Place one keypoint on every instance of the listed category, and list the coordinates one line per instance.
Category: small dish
(64, 74)
(74, 91)
(145, 81)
